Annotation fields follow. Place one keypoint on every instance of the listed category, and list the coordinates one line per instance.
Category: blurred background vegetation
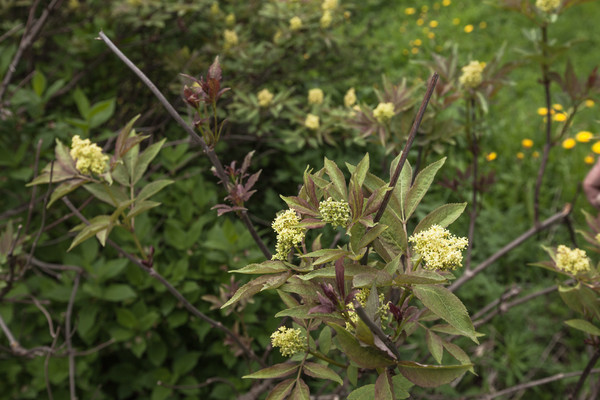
(68, 83)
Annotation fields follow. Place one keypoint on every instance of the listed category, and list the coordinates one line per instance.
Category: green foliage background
(68, 83)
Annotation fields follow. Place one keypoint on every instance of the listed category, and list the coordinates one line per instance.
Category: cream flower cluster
(289, 233)
(439, 248)
(547, 6)
(471, 75)
(312, 122)
(88, 155)
(363, 294)
(572, 261)
(231, 38)
(350, 97)
(264, 98)
(383, 112)
(336, 213)
(295, 23)
(329, 5)
(290, 341)
(315, 96)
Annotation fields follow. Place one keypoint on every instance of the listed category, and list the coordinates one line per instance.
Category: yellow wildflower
(446, 3)
(491, 156)
(424, 9)
(290, 341)
(560, 117)
(455, 21)
(89, 157)
(483, 25)
(350, 97)
(414, 50)
(535, 154)
(433, 24)
(383, 112)
(527, 143)
(596, 147)
(569, 143)
(312, 122)
(295, 23)
(468, 28)
(557, 107)
(584, 136)
(315, 96)
(589, 159)
(543, 111)
(410, 11)
(264, 98)
(572, 261)
(438, 248)
(420, 21)
(431, 35)
(417, 42)
(589, 103)
(520, 155)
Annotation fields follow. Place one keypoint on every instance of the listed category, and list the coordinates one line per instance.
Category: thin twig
(472, 136)
(46, 363)
(14, 345)
(153, 273)
(376, 329)
(220, 172)
(40, 307)
(584, 375)
(94, 349)
(10, 31)
(470, 274)
(68, 337)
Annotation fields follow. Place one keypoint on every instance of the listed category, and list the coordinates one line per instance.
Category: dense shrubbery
(115, 262)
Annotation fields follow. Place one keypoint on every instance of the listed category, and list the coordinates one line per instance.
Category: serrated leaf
(359, 173)
(281, 390)
(274, 371)
(337, 179)
(152, 188)
(431, 375)
(443, 303)
(459, 354)
(265, 267)
(434, 344)
(325, 340)
(420, 187)
(296, 312)
(584, 326)
(395, 235)
(365, 357)
(329, 272)
(371, 235)
(300, 205)
(145, 159)
(320, 371)
(401, 386)
(442, 216)
(366, 392)
(377, 277)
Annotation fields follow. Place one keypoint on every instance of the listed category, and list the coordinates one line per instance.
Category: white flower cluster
(289, 233)
(572, 261)
(289, 341)
(439, 248)
(472, 75)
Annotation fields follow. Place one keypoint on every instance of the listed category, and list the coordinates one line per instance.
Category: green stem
(325, 358)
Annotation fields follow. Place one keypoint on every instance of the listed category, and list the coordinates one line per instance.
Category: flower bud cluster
(88, 155)
(315, 96)
(350, 97)
(383, 112)
(289, 341)
(573, 261)
(547, 6)
(295, 23)
(312, 122)
(231, 38)
(472, 75)
(264, 98)
(289, 233)
(438, 248)
(336, 213)
(329, 5)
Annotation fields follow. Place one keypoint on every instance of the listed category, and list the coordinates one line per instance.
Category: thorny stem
(548, 145)
(586, 372)
(212, 156)
(154, 274)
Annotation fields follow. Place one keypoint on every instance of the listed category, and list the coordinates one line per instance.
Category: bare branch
(68, 337)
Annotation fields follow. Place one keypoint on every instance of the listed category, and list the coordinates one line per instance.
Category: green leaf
(584, 326)
(431, 375)
(401, 387)
(352, 374)
(420, 187)
(434, 344)
(422, 277)
(377, 277)
(108, 194)
(383, 387)
(326, 255)
(274, 371)
(296, 312)
(366, 392)
(265, 267)
(185, 362)
(96, 225)
(398, 202)
(152, 188)
(443, 303)
(64, 189)
(459, 354)
(581, 299)
(329, 272)
(145, 159)
(141, 207)
(338, 180)
(38, 83)
(251, 288)
(371, 235)
(320, 371)
(301, 391)
(281, 391)
(82, 103)
(442, 216)
(359, 173)
(325, 340)
(393, 236)
(126, 318)
(118, 292)
(157, 351)
(365, 357)
(100, 112)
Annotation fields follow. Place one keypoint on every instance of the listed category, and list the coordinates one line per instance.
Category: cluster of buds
(472, 75)
(572, 261)
(89, 157)
(438, 248)
(290, 341)
(336, 213)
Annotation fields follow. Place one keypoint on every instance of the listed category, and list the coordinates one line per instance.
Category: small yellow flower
(420, 21)
(557, 107)
(417, 42)
(569, 143)
(468, 28)
(214, 8)
(414, 50)
(295, 23)
(315, 96)
(347, 14)
(231, 38)
(596, 147)
(547, 6)
(589, 159)
(264, 98)
(424, 9)
(329, 5)
(455, 21)
(431, 35)
(491, 156)
(326, 19)
(383, 112)
(560, 117)
(410, 11)
(472, 75)
(350, 97)
(584, 136)
(73, 4)
(312, 122)
(520, 155)
(438, 248)
(89, 157)
(527, 143)
(290, 341)
(230, 19)
(589, 103)
(483, 25)
(535, 154)
(446, 3)
(572, 261)
(433, 24)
